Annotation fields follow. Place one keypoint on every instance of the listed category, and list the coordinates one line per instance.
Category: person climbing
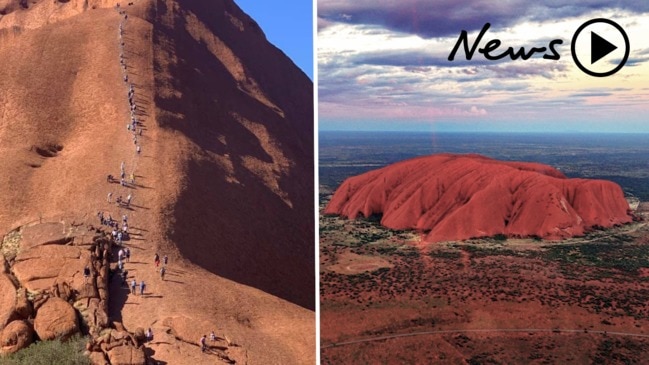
(86, 273)
(142, 287)
(149, 334)
(132, 178)
(124, 218)
(120, 254)
(140, 131)
(137, 149)
(127, 252)
(128, 200)
(109, 197)
(162, 273)
(133, 285)
(120, 265)
(122, 175)
(165, 259)
(125, 277)
(122, 182)
(156, 259)
(122, 166)
(212, 336)
(203, 344)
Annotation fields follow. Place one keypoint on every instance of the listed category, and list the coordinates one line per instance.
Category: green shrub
(500, 237)
(68, 352)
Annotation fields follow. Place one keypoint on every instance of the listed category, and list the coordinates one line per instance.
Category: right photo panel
(483, 182)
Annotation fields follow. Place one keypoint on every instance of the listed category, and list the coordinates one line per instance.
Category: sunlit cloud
(381, 61)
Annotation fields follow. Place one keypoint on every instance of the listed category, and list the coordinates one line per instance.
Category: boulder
(56, 318)
(49, 251)
(97, 358)
(126, 355)
(7, 300)
(23, 306)
(16, 336)
(4, 265)
(44, 234)
(87, 291)
(456, 197)
(61, 290)
(39, 274)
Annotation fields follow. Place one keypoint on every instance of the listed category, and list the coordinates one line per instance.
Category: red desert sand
(456, 197)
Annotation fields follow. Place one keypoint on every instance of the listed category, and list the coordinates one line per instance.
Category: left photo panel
(157, 194)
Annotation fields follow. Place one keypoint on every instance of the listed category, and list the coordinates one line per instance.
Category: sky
(383, 65)
(288, 25)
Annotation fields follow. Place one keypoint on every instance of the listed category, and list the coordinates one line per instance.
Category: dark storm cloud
(442, 18)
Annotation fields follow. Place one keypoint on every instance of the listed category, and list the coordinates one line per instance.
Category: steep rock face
(454, 197)
(224, 180)
(245, 202)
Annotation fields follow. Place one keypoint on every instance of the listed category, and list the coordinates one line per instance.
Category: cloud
(446, 17)
(387, 60)
(323, 23)
(638, 58)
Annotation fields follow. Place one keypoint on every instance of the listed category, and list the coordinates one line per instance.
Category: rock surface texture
(455, 197)
(56, 318)
(15, 336)
(212, 127)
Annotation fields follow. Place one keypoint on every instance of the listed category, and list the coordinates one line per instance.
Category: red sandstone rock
(7, 300)
(41, 273)
(16, 336)
(126, 355)
(97, 358)
(455, 197)
(55, 319)
(23, 306)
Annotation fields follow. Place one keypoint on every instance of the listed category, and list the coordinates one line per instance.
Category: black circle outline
(626, 44)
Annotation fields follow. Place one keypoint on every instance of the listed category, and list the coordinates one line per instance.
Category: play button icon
(599, 47)
(604, 47)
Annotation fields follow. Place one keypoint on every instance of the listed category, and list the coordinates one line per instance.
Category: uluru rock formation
(222, 183)
(455, 197)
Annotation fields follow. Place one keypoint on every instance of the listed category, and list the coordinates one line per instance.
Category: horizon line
(478, 131)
